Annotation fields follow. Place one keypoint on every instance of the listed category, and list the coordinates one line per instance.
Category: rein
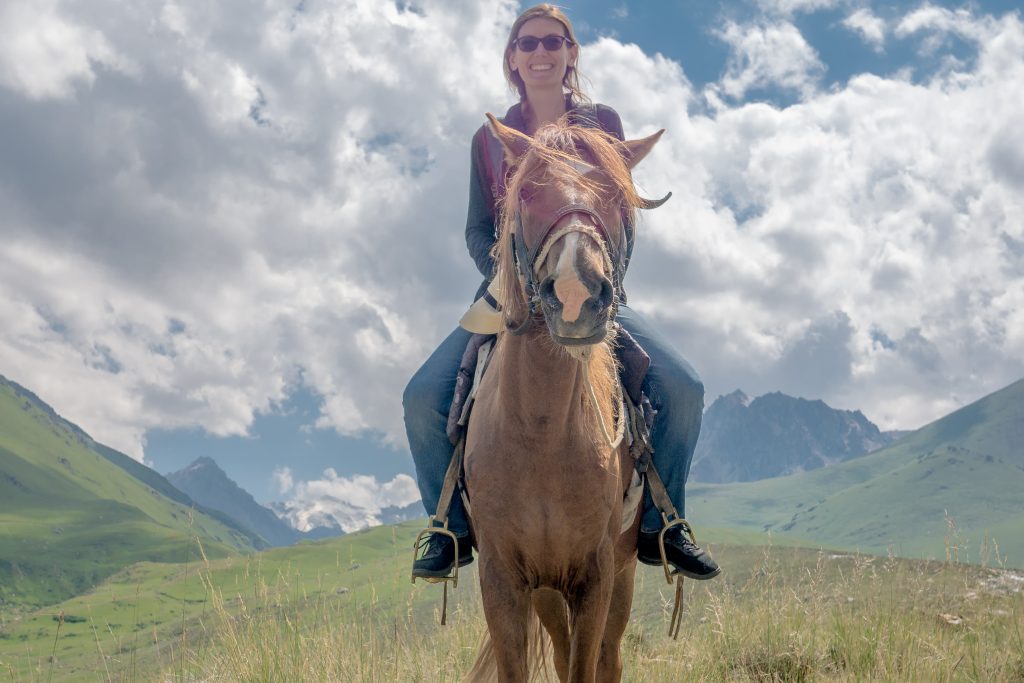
(620, 431)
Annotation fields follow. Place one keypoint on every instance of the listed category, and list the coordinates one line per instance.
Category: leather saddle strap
(642, 451)
(451, 479)
(659, 494)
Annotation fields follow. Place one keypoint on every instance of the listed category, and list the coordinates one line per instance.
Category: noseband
(526, 258)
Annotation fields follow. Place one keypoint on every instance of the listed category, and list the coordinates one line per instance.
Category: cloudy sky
(236, 229)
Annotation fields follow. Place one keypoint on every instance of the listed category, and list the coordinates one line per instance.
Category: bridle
(527, 257)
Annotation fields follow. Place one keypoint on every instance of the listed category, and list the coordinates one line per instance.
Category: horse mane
(554, 149)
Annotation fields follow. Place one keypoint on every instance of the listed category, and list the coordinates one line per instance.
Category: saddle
(633, 365)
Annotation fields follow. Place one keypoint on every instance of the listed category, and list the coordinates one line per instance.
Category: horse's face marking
(575, 286)
(560, 266)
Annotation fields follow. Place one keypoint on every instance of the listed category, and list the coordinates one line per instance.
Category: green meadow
(345, 610)
(899, 565)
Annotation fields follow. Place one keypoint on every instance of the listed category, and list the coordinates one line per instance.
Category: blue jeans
(672, 384)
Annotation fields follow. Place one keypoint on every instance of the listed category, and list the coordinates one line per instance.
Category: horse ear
(512, 141)
(633, 151)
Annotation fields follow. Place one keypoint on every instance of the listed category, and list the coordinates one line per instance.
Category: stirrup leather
(451, 479)
(670, 518)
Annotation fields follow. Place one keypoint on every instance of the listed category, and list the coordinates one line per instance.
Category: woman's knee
(677, 391)
(422, 397)
(429, 393)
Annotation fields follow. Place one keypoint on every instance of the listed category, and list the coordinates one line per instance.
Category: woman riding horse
(540, 63)
(549, 418)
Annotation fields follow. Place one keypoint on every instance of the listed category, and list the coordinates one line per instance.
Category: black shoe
(682, 553)
(439, 557)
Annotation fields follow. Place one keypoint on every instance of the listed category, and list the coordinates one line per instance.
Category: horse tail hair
(538, 655)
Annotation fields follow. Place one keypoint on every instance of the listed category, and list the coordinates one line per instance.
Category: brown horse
(544, 471)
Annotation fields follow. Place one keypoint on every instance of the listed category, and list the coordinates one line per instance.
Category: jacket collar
(514, 117)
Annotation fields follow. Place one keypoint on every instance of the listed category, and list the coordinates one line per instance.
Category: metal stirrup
(451, 478)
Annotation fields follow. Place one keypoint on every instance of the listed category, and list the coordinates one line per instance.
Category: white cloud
(349, 503)
(937, 25)
(284, 480)
(43, 54)
(278, 196)
(769, 54)
(361, 490)
(790, 7)
(868, 26)
(795, 236)
(261, 200)
(942, 20)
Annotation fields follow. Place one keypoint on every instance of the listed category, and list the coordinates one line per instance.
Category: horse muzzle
(590, 325)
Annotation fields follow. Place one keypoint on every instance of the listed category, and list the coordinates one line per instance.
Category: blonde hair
(571, 80)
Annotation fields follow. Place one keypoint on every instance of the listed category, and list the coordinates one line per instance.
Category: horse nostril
(547, 294)
(604, 297)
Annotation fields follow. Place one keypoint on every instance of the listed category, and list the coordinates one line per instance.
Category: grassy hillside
(69, 517)
(344, 609)
(955, 484)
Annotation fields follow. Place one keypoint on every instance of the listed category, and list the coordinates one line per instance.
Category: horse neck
(544, 388)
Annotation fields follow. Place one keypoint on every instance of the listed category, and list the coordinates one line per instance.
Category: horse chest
(535, 485)
(532, 458)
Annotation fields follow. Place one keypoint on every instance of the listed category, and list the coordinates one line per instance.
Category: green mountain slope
(69, 517)
(954, 482)
(158, 482)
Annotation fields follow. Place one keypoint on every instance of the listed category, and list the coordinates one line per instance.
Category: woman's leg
(677, 393)
(426, 400)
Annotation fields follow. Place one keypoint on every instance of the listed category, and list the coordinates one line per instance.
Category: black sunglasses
(550, 43)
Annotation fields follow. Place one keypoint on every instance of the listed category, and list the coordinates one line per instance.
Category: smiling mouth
(542, 67)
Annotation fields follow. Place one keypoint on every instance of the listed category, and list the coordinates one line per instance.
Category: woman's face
(542, 68)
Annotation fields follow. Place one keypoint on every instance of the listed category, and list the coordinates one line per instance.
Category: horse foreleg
(550, 607)
(609, 668)
(588, 609)
(506, 609)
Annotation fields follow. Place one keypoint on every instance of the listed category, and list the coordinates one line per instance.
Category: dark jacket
(484, 191)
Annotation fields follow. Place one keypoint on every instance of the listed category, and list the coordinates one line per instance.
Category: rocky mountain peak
(776, 434)
(206, 483)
